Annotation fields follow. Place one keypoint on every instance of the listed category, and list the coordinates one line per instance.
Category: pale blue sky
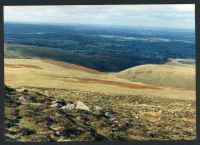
(172, 16)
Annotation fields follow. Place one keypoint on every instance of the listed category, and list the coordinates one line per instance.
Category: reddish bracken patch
(72, 66)
(121, 84)
(22, 65)
(114, 83)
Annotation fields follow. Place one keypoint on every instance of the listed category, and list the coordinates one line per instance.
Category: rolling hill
(169, 75)
(55, 74)
(91, 83)
(120, 109)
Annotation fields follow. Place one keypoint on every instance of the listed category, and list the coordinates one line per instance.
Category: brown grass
(22, 65)
(72, 66)
(115, 83)
(121, 84)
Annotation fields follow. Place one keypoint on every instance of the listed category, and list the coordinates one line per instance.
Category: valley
(98, 83)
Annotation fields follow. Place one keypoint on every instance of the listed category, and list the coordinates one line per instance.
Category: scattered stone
(8, 88)
(78, 118)
(113, 125)
(57, 127)
(98, 108)
(58, 103)
(115, 121)
(112, 119)
(22, 99)
(20, 90)
(80, 105)
(68, 107)
(49, 132)
(64, 140)
(114, 129)
(58, 133)
(53, 105)
(108, 114)
(136, 117)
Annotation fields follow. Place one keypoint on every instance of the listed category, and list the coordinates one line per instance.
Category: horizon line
(82, 24)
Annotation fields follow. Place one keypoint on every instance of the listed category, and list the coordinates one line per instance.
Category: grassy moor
(99, 75)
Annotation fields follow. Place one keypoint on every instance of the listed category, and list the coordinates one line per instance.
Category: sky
(170, 16)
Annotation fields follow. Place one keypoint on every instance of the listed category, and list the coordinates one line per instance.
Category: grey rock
(68, 107)
(80, 105)
(112, 119)
(54, 105)
(22, 99)
(58, 133)
(64, 140)
(21, 90)
(98, 108)
(58, 103)
(108, 114)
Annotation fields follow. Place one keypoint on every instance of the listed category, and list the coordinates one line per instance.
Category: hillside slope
(32, 116)
(163, 75)
(54, 74)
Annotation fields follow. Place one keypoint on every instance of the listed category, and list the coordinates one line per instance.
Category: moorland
(86, 83)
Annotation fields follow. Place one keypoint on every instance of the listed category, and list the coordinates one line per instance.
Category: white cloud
(181, 16)
(184, 8)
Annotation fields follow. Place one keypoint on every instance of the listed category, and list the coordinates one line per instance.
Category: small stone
(64, 140)
(107, 114)
(98, 108)
(78, 118)
(22, 99)
(20, 90)
(58, 103)
(112, 125)
(112, 119)
(58, 133)
(68, 107)
(114, 129)
(80, 105)
(54, 105)
(116, 121)
(57, 127)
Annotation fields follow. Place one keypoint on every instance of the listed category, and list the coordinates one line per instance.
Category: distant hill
(163, 75)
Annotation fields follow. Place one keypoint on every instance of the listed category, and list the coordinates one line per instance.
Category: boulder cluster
(61, 104)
